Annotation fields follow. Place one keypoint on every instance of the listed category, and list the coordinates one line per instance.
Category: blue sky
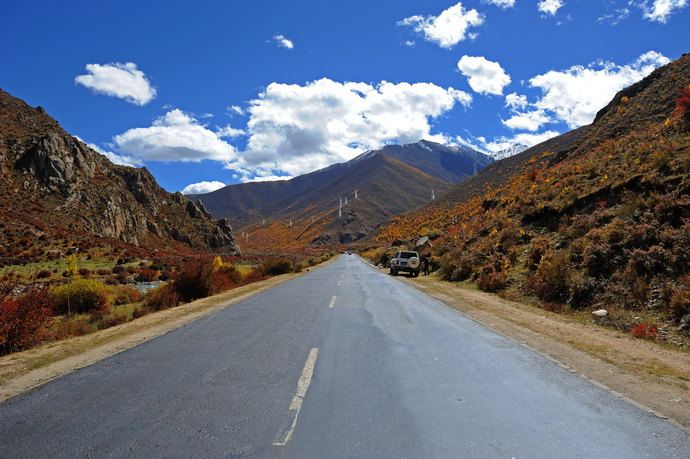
(316, 82)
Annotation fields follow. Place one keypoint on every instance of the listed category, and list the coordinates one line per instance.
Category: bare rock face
(54, 179)
(56, 162)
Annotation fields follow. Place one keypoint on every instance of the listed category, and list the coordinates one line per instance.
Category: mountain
(510, 151)
(56, 191)
(597, 217)
(394, 179)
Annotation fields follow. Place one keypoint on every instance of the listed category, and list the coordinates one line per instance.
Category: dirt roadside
(22, 371)
(650, 376)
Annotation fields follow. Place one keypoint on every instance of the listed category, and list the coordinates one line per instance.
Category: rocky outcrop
(56, 180)
(56, 161)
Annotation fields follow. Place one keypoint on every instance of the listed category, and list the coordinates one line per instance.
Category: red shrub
(147, 275)
(252, 276)
(645, 331)
(23, 321)
(195, 280)
(682, 110)
(161, 297)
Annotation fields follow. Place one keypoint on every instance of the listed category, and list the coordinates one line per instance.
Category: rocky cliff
(53, 182)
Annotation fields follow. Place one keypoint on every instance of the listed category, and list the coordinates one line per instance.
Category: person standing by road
(425, 265)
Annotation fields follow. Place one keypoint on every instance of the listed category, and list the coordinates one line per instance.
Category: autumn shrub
(253, 275)
(125, 294)
(162, 297)
(654, 261)
(78, 326)
(140, 311)
(23, 320)
(147, 275)
(551, 281)
(538, 247)
(582, 290)
(221, 281)
(598, 259)
(661, 159)
(680, 303)
(81, 296)
(114, 319)
(645, 331)
(194, 280)
(84, 272)
(277, 267)
(492, 281)
(43, 274)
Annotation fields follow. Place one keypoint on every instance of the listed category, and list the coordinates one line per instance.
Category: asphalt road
(382, 370)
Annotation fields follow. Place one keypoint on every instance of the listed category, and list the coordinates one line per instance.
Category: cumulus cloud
(448, 28)
(575, 95)
(295, 129)
(284, 42)
(202, 187)
(516, 101)
(501, 3)
(229, 131)
(175, 136)
(661, 10)
(527, 121)
(550, 7)
(118, 80)
(484, 76)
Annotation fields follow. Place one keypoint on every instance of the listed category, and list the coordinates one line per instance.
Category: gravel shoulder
(23, 371)
(647, 374)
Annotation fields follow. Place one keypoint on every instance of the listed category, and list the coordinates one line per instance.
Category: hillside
(389, 181)
(56, 192)
(598, 217)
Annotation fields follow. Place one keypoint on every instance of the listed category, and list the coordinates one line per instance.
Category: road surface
(344, 361)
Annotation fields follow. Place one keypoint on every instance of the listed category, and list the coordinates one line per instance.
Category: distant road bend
(343, 361)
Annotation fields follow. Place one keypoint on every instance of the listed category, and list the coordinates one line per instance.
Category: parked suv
(406, 262)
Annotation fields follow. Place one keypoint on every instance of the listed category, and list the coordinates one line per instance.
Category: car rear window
(408, 254)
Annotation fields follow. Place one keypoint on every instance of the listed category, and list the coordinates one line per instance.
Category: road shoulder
(645, 373)
(23, 371)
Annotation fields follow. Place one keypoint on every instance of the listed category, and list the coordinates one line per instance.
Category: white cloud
(516, 101)
(616, 17)
(284, 42)
(118, 80)
(501, 3)
(260, 175)
(448, 28)
(202, 187)
(409, 43)
(576, 95)
(229, 131)
(661, 10)
(527, 121)
(295, 129)
(550, 7)
(175, 136)
(236, 109)
(484, 76)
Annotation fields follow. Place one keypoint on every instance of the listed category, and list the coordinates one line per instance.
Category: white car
(405, 262)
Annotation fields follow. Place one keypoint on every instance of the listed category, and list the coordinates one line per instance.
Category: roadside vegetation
(49, 305)
(608, 228)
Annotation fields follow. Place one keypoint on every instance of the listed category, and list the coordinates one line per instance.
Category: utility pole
(345, 200)
(340, 208)
(356, 193)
